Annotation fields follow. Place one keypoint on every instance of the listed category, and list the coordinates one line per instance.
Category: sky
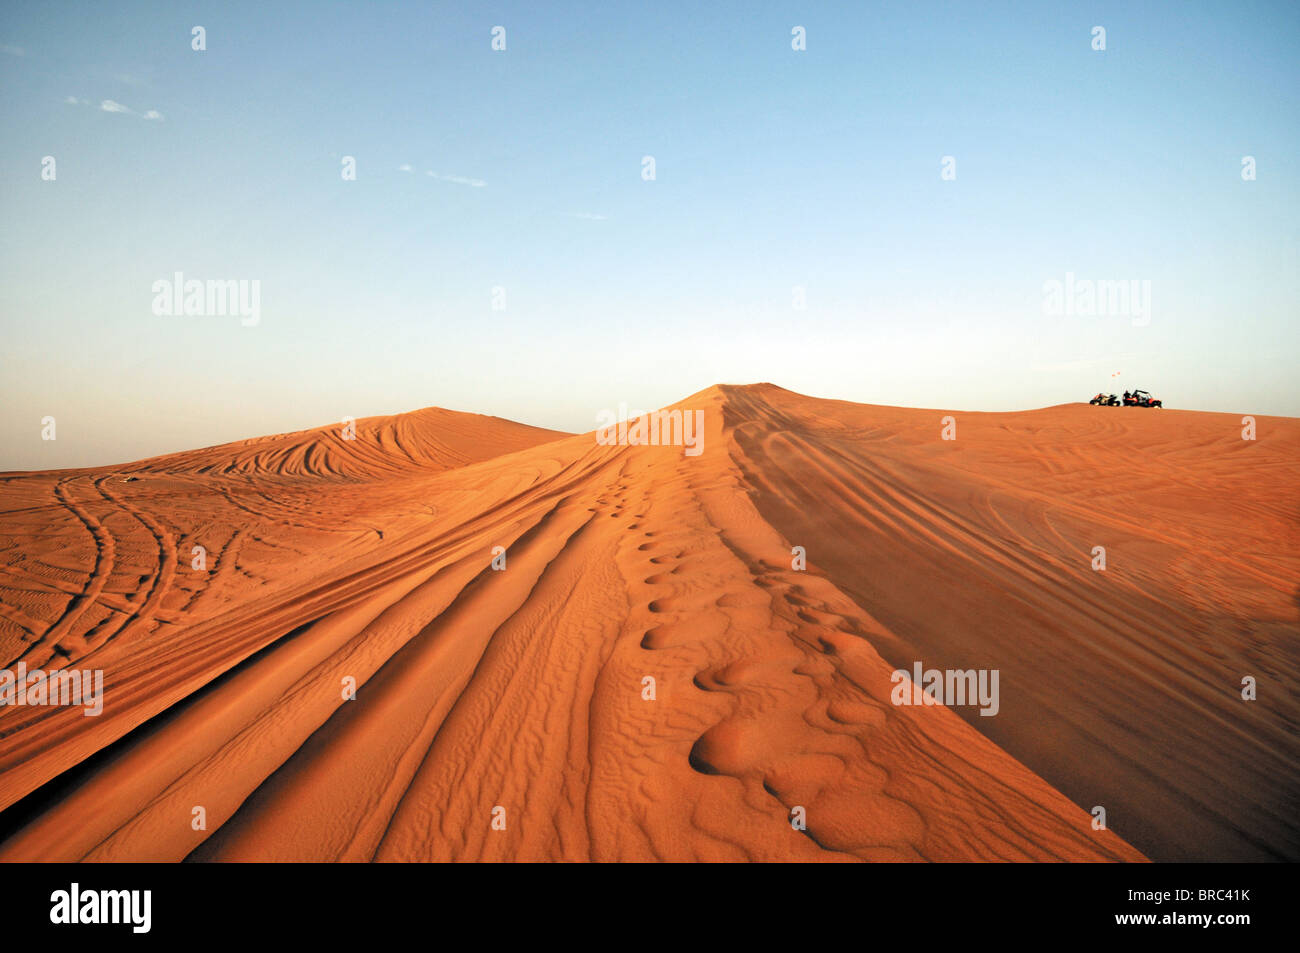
(501, 249)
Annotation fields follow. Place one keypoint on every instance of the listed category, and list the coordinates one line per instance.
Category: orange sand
(522, 689)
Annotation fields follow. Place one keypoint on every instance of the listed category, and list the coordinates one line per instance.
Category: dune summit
(453, 637)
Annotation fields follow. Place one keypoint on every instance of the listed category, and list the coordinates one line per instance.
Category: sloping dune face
(456, 638)
(1122, 685)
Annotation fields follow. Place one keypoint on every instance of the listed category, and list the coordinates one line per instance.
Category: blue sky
(774, 169)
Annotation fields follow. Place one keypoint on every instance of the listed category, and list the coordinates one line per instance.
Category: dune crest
(500, 596)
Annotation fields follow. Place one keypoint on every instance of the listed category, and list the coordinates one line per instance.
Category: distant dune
(500, 714)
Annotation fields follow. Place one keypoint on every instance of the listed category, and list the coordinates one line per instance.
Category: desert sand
(501, 714)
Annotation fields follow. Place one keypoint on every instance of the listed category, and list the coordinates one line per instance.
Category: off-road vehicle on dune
(1105, 400)
(1140, 398)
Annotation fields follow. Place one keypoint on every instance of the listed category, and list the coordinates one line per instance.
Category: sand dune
(516, 695)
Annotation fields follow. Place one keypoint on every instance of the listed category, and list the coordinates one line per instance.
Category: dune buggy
(1140, 398)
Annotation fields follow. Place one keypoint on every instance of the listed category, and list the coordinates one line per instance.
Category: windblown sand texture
(522, 689)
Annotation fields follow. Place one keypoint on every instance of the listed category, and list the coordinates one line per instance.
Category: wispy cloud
(458, 179)
(112, 106)
(590, 216)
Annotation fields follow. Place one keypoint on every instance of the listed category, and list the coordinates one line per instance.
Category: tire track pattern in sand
(516, 694)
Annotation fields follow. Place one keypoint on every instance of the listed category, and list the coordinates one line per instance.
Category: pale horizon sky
(522, 170)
